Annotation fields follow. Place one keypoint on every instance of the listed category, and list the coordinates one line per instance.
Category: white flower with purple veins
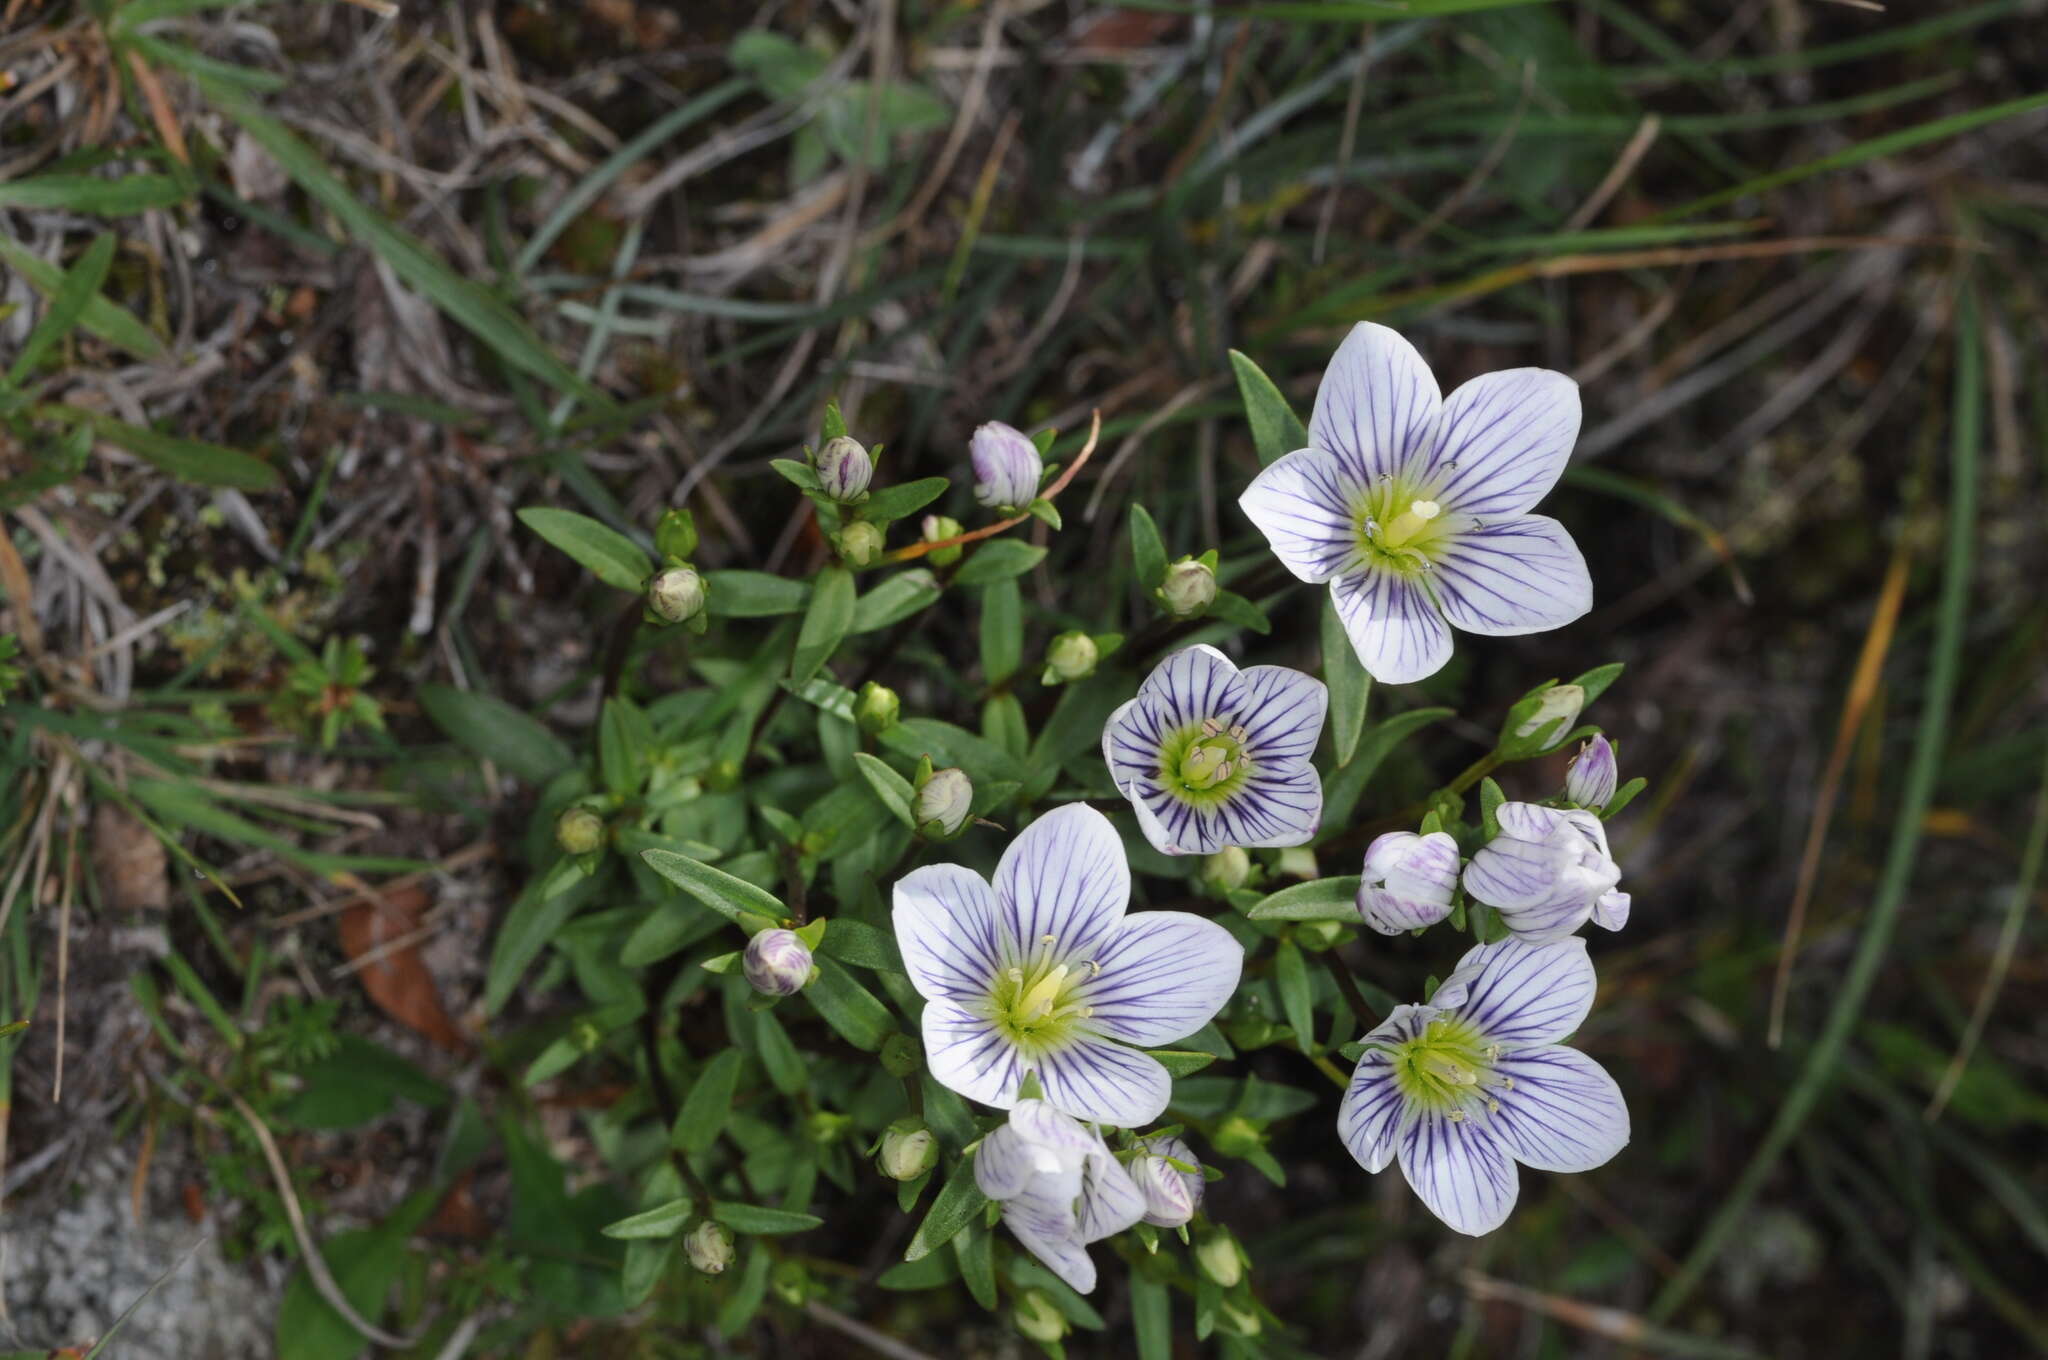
(1060, 1187)
(1044, 973)
(1461, 1089)
(1212, 756)
(1408, 881)
(1007, 466)
(1415, 508)
(1548, 872)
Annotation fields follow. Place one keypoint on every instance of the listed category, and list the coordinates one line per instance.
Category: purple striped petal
(1394, 626)
(1563, 1113)
(1094, 1079)
(1193, 684)
(1270, 809)
(1520, 994)
(1058, 1136)
(946, 924)
(1282, 712)
(1408, 881)
(1521, 574)
(1307, 504)
(1503, 441)
(1130, 742)
(1515, 873)
(1373, 1113)
(1064, 877)
(1164, 976)
(968, 1054)
(1110, 1200)
(1461, 1169)
(1378, 404)
(1005, 1163)
(1171, 1194)
(1042, 1218)
(1610, 910)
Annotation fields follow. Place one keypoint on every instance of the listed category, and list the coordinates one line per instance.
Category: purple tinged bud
(1171, 1194)
(1408, 881)
(777, 962)
(1007, 466)
(1591, 781)
(844, 469)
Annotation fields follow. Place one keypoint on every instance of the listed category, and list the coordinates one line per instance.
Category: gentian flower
(1415, 508)
(1212, 756)
(1463, 1088)
(1547, 872)
(1044, 973)
(1006, 466)
(1408, 881)
(1060, 1187)
(777, 962)
(1171, 1194)
(1591, 780)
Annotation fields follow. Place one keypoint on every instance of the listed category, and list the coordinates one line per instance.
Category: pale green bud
(1220, 1258)
(937, 529)
(1189, 588)
(876, 708)
(860, 543)
(908, 1151)
(676, 595)
(709, 1247)
(943, 802)
(1227, 869)
(579, 831)
(676, 535)
(1070, 656)
(1037, 1319)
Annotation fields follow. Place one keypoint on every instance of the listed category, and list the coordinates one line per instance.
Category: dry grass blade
(1611, 1323)
(1862, 689)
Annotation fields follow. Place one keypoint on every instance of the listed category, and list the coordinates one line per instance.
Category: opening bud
(1070, 656)
(709, 1247)
(1171, 1194)
(1540, 721)
(579, 831)
(1228, 869)
(1594, 773)
(676, 594)
(943, 802)
(1037, 1319)
(676, 535)
(1007, 466)
(844, 469)
(860, 543)
(908, 1151)
(1220, 1258)
(936, 529)
(777, 963)
(876, 708)
(1189, 587)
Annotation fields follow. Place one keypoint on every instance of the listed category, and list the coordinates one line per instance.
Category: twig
(1347, 986)
(1624, 166)
(879, 1342)
(915, 550)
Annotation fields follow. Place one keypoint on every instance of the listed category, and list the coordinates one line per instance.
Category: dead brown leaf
(383, 938)
(129, 861)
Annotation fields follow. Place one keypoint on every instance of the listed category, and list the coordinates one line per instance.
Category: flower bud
(827, 1127)
(1037, 1319)
(1006, 467)
(908, 1151)
(942, 803)
(1070, 656)
(844, 469)
(1220, 1259)
(777, 962)
(901, 1056)
(1238, 1321)
(1408, 881)
(860, 543)
(676, 535)
(876, 707)
(676, 594)
(1296, 861)
(790, 1281)
(1238, 1136)
(1594, 773)
(1540, 721)
(1189, 588)
(709, 1247)
(1227, 869)
(937, 529)
(579, 831)
(1171, 1194)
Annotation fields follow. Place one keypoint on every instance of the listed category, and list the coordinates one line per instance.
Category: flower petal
(1378, 403)
(1042, 1218)
(1564, 1113)
(1503, 441)
(1306, 504)
(1003, 1164)
(1064, 876)
(1373, 1111)
(968, 1054)
(1164, 976)
(1110, 1200)
(1273, 809)
(1514, 874)
(1519, 994)
(1462, 1171)
(1131, 739)
(1394, 626)
(1094, 1079)
(1061, 1137)
(947, 926)
(1282, 712)
(1193, 684)
(1511, 576)
(1610, 910)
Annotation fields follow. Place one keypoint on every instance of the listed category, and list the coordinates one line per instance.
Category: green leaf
(959, 1202)
(1623, 796)
(1234, 608)
(1276, 430)
(493, 730)
(1297, 998)
(1002, 722)
(974, 1248)
(894, 600)
(759, 1221)
(861, 944)
(621, 740)
(80, 286)
(707, 1105)
(1381, 738)
(111, 323)
(1151, 1317)
(1002, 631)
(894, 502)
(664, 1220)
(610, 556)
(998, 560)
(948, 744)
(1324, 899)
(1180, 1062)
(1596, 681)
(782, 67)
(733, 898)
(1148, 549)
(535, 917)
(365, 1263)
(893, 789)
(1349, 686)
(848, 1007)
(1490, 799)
(826, 624)
(192, 460)
(752, 594)
(122, 197)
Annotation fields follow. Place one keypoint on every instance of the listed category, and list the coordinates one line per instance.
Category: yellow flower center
(1449, 1068)
(1403, 529)
(1034, 1003)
